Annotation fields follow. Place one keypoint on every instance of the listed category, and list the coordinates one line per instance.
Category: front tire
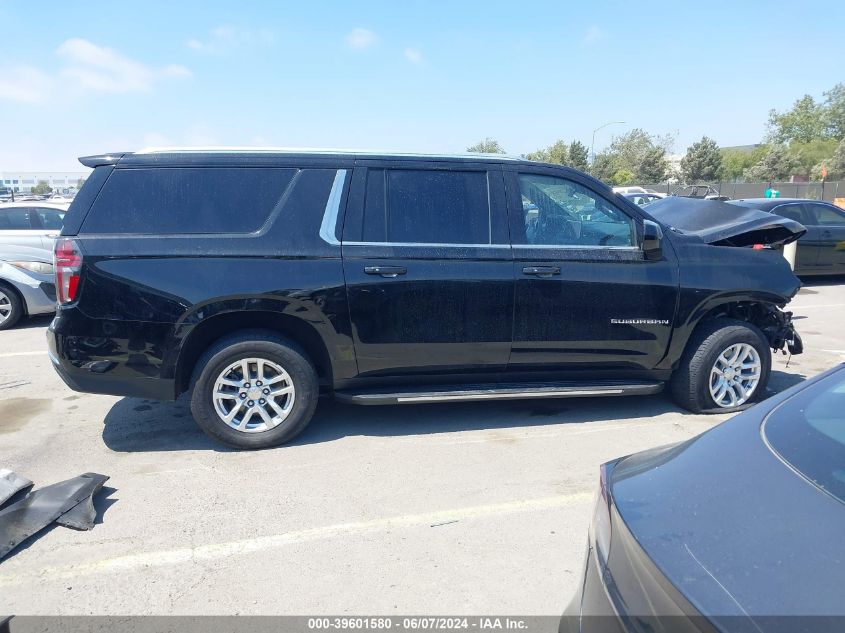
(725, 368)
(11, 307)
(254, 390)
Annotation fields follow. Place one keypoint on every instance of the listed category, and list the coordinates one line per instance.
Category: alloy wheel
(735, 375)
(253, 395)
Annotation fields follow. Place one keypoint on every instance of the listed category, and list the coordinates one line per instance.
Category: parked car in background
(27, 283)
(821, 250)
(706, 192)
(743, 521)
(32, 223)
(629, 189)
(642, 199)
(256, 279)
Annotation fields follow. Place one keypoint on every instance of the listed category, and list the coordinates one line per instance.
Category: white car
(35, 224)
(626, 190)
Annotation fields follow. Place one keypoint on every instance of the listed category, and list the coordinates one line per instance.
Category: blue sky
(417, 76)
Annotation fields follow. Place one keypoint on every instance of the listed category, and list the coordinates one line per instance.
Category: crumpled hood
(724, 224)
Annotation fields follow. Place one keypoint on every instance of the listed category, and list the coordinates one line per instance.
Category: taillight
(68, 264)
(601, 518)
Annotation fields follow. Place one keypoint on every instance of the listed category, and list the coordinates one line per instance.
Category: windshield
(808, 432)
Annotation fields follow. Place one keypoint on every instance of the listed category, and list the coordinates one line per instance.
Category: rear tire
(254, 390)
(11, 307)
(717, 370)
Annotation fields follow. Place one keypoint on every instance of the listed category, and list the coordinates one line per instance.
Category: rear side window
(51, 219)
(187, 200)
(793, 212)
(15, 219)
(808, 432)
(827, 216)
(427, 207)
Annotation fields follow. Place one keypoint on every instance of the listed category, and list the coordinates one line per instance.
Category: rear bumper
(591, 609)
(124, 363)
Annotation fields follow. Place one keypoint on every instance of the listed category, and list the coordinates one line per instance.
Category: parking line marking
(822, 305)
(215, 551)
(11, 354)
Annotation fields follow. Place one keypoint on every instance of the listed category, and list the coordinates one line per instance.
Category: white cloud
(414, 55)
(224, 38)
(87, 67)
(102, 69)
(361, 38)
(594, 34)
(25, 84)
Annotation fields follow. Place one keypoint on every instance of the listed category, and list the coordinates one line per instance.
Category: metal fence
(736, 190)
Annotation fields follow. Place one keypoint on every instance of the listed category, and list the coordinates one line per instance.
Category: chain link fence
(736, 190)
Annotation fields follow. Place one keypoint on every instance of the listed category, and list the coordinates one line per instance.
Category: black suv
(255, 280)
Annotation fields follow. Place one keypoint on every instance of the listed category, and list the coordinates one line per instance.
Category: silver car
(27, 285)
(31, 223)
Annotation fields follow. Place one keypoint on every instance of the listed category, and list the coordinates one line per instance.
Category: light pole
(593, 144)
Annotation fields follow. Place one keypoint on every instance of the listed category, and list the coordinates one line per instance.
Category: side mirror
(652, 238)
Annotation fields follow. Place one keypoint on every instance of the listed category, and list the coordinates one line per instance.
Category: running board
(510, 391)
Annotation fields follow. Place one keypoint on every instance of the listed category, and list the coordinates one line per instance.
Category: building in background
(24, 181)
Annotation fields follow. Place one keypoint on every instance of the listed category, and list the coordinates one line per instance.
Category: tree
(80, 182)
(603, 168)
(835, 165)
(736, 161)
(623, 177)
(578, 157)
(487, 146)
(652, 167)
(637, 153)
(42, 188)
(805, 122)
(776, 164)
(556, 153)
(834, 116)
(811, 154)
(702, 162)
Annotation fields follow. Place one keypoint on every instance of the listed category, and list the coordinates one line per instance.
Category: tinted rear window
(187, 200)
(808, 432)
(427, 206)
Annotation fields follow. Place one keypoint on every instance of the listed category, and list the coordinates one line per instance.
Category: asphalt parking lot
(458, 509)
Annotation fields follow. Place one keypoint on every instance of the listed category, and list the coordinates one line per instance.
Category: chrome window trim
(427, 245)
(328, 228)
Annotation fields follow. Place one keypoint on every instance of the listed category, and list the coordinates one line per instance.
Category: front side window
(411, 206)
(560, 212)
(828, 216)
(15, 220)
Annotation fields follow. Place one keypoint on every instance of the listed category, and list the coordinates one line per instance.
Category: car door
(428, 268)
(829, 221)
(586, 297)
(807, 249)
(20, 226)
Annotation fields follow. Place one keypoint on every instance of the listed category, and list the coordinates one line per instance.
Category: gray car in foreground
(27, 284)
(738, 529)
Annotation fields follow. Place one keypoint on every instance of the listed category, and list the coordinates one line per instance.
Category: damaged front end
(778, 328)
(724, 224)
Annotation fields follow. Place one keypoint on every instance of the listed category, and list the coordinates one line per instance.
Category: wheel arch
(11, 288)
(760, 309)
(212, 329)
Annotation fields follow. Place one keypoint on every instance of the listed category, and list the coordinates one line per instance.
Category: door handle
(827, 233)
(385, 271)
(541, 271)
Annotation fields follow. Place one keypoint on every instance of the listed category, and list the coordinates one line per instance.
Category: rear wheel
(11, 308)
(254, 390)
(725, 368)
